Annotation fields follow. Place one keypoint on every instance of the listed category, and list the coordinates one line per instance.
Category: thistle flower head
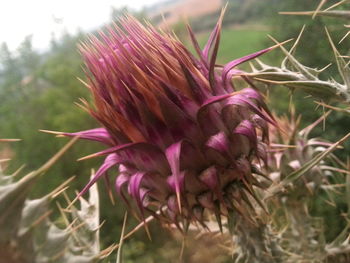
(183, 137)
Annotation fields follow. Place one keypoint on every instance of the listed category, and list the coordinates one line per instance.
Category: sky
(42, 18)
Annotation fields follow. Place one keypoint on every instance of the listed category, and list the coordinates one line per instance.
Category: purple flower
(183, 137)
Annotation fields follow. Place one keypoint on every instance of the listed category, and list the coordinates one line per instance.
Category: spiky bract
(183, 136)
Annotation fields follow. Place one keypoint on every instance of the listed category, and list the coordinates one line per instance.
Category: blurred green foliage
(38, 91)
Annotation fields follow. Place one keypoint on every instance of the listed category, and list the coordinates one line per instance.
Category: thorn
(18, 170)
(83, 107)
(318, 8)
(183, 248)
(109, 250)
(324, 116)
(341, 40)
(335, 5)
(72, 203)
(324, 68)
(88, 157)
(59, 134)
(108, 186)
(147, 231)
(74, 229)
(347, 64)
(60, 192)
(101, 224)
(279, 44)
(339, 170)
(308, 129)
(41, 218)
(303, 13)
(84, 83)
(10, 140)
(291, 105)
(179, 201)
(66, 197)
(218, 217)
(65, 219)
(61, 188)
(298, 39)
(269, 81)
(332, 107)
(121, 240)
(330, 203)
(276, 145)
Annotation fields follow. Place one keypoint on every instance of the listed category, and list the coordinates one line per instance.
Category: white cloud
(41, 18)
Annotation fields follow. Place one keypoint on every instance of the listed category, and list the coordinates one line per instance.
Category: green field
(237, 42)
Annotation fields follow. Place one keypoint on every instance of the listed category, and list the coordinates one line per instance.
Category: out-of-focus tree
(314, 46)
(313, 50)
(38, 91)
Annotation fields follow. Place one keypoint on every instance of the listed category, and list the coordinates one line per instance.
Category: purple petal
(172, 204)
(173, 155)
(213, 45)
(232, 115)
(241, 100)
(143, 194)
(135, 189)
(220, 143)
(159, 186)
(178, 122)
(199, 91)
(243, 165)
(209, 177)
(98, 134)
(214, 38)
(109, 162)
(189, 106)
(144, 156)
(192, 183)
(126, 169)
(254, 94)
(261, 153)
(215, 99)
(156, 129)
(204, 108)
(189, 150)
(246, 128)
(239, 61)
(172, 181)
(209, 116)
(206, 200)
(196, 45)
(121, 179)
(261, 123)
(228, 78)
